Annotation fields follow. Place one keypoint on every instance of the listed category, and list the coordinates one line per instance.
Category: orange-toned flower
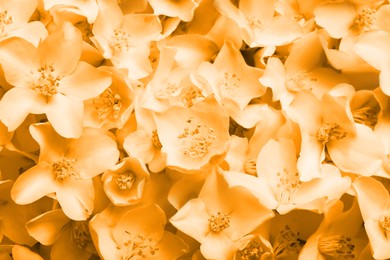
(374, 203)
(124, 184)
(49, 79)
(191, 137)
(220, 216)
(66, 167)
(135, 234)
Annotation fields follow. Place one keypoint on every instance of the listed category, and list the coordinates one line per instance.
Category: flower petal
(17, 104)
(62, 49)
(192, 219)
(33, 184)
(325, 17)
(85, 82)
(46, 228)
(95, 151)
(18, 58)
(76, 198)
(66, 115)
(361, 154)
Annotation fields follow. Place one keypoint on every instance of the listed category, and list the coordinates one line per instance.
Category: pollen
(126, 180)
(120, 40)
(80, 234)
(338, 246)
(287, 243)
(108, 104)
(252, 251)
(365, 19)
(46, 81)
(366, 116)
(196, 139)
(253, 24)
(229, 83)
(156, 140)
(5, 19)
(137, 247)
(191, 95)
(64, 169)
(219, 222)
(288, 184)
(301, 81)
(384, 221)
(330, 131)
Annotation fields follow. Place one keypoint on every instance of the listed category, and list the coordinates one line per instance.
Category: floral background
(194, 129)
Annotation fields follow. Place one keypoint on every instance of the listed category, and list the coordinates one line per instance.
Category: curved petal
(76, 198)
(147, 221)
(361, 154)
(17, 104)
(85, 82)
(378, 240)
(66, 115)
(383, 18)
(373, 198)
(143, 28)
(192, 219)
(62, 49)
(310, 158)
(20, 10)
(95, 151)
(52, 145)
(46, 228)
(33, 184)
(372, 47)
(325, 17)
(274, 77)
(18, 58)
(171, 247)
(218, 246)
(281, 31)
(33, 32)
(22, 252)
(183, 9)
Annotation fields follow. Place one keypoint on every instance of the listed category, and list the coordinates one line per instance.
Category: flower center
(126, 180)
(47, 81)
(5, 19)
(253, 24)
(166, 91)
(288, 184)
(384, 221)
(64, 169)
(156, 140)
(219, 222)
(330, 131)
(137, 247)
(287, 243)
(253, 251)
(365, 19)
(366, 116)
(80, 234)
(250, 167)
(191, 95)
(300, 81)
(340, 246)
(196, 139)
(120, 40)
(229, 83)
(107, 104)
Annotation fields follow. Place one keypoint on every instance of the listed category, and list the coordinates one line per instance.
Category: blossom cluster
(194, 129)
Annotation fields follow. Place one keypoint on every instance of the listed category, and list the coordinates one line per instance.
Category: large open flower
(135, 234)
(66, 167)
(220, 216)
(49, 79)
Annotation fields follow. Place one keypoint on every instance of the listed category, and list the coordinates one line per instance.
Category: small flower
(124, 185)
